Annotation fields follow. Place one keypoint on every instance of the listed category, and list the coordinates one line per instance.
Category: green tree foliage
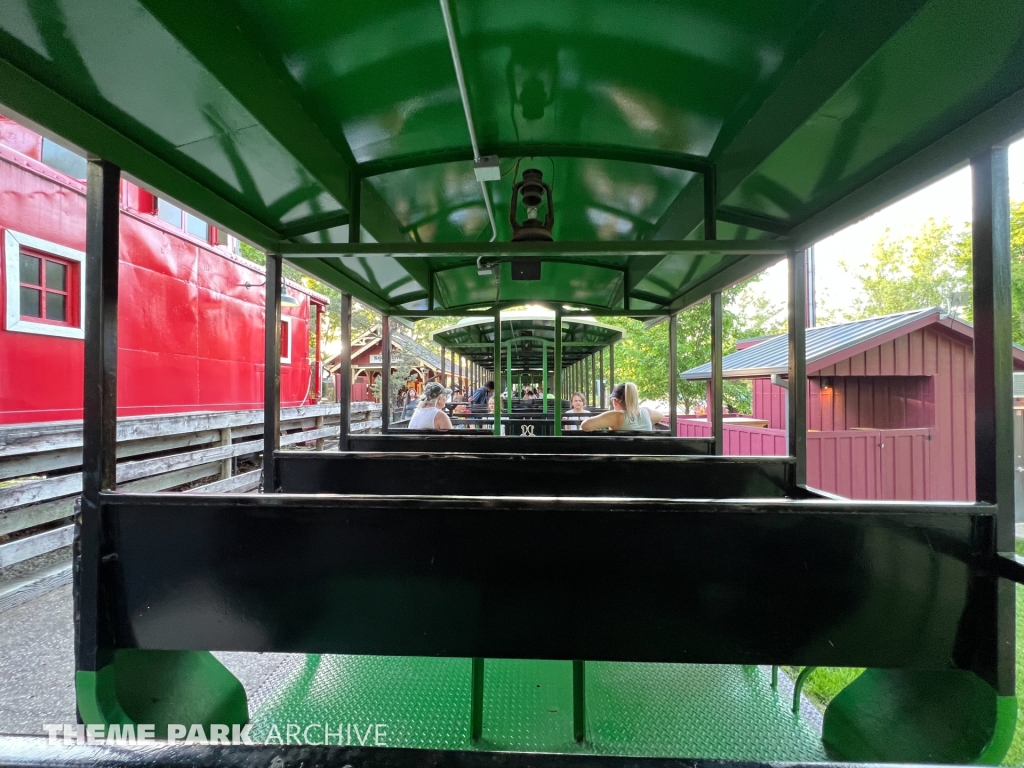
(643, 356)
(933, 269)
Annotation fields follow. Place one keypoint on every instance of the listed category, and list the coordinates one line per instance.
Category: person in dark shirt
(481, 395)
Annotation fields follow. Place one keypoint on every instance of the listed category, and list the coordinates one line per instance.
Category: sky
(949, 197)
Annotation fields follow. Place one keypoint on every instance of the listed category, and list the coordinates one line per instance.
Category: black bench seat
(483, 441)
(542, 475)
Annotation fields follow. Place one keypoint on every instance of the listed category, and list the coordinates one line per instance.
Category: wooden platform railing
(40, 475)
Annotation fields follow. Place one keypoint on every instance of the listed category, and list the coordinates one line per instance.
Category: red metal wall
(190, 332)
(923, 379)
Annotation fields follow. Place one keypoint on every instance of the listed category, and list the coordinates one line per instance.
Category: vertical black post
(385, 372)
(476, 699)
(558, 372)
(272, 372)
(443, 356)
(611, 372)
(592, 366)
(673, 374)
(716, 374)
(99, 447)
(797, 391)
(579, 700)
(497, 372)
(993, 380)
(603, 381)
(345, 373)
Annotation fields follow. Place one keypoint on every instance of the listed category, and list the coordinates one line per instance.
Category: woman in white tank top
(430, 412)
(626, 413)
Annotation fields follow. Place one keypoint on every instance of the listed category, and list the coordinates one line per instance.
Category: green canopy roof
(529, 330)
(274, 118)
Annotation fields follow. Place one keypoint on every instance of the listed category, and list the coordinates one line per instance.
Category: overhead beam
(228, 45)
(998, 125)
(753, 221)
(221, 39)
(737, 272)
(310, 226)
(36, 106)
(751, 138)
(678, 160)
(296, 251)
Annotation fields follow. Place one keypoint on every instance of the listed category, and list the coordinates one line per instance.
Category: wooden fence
(867, 464)
(40, 464)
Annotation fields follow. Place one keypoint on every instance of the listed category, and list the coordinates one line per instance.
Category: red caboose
(191, 308)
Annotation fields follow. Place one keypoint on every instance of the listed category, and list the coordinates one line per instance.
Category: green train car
(535, 599)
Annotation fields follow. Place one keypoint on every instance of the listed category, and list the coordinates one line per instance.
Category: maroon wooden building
(890, 405)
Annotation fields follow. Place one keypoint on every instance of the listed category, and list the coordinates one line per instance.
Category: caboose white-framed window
(286, 339)
(45, 287)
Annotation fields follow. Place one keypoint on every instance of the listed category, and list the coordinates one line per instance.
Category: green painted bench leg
(476, 701)
(579, 701)
(159, 688)
(798, 687)
(919, 716)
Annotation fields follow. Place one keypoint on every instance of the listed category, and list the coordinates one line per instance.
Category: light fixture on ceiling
(534, 191)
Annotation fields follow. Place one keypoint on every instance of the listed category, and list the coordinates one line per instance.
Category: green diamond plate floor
(632, 709)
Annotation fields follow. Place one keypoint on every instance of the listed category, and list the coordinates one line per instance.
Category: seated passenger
(430, 412)
(480, 396)
(626, 413)
(578, 403)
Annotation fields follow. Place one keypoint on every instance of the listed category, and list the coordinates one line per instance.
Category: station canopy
(529, 330)
(279, 120)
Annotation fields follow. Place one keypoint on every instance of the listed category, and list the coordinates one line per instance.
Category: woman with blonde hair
(626, 413)
(430, 413)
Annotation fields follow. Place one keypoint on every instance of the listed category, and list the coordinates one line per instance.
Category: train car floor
(632, 709)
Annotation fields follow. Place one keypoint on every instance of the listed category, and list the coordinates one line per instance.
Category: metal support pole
(993, 382)
(476, 700)
(385, 372)
(345, 373)
(508, 377)
(558, 372)
(497, 372)
(603, 382)
(673, 374)
(443, 355)
(716, 374)
(592, 362)
(272, 371)
(544, 380)
(99, 445)
(797, 391)
(579, 701)
(611, 373)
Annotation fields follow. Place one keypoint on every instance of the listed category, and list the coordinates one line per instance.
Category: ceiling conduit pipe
(449, 28)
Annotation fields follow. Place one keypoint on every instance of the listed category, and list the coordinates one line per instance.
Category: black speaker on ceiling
(526, 269)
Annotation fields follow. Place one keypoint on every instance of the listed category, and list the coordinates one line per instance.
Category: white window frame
(286, 343)
(13, 241)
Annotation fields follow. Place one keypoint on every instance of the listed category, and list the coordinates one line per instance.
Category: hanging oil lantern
(533, 191)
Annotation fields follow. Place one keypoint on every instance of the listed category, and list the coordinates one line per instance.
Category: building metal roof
(405, 343)
(772, 355)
